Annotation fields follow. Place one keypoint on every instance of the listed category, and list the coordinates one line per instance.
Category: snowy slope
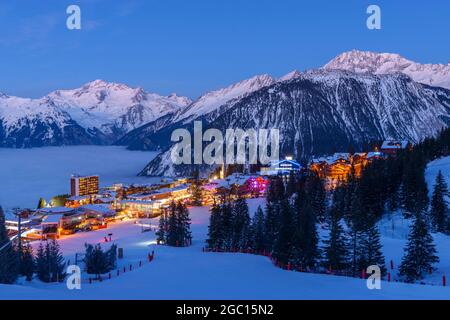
(188, 273)
(387, 63)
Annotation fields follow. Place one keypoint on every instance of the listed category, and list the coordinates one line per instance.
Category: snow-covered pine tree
(162, 227)
(9, 260)
(27, 264)
(172, 226)
(420, 252)
(95, 260)
(271, 225)
(184, 220)
(282, 251)
(197, 193)
(215, 239)
(336, 247)
(258, 232)
(356, 220)
(305, 252)
(56, 262)
(439, 209)
(319, 198)
(111, 256)
(241, 224)
(227, 226)
(414, 189)
(42, 268)
(371, 253)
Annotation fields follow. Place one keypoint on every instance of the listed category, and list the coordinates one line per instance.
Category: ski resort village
(354, 203)
(283, 231)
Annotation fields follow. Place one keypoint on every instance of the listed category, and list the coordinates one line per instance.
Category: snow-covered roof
(101, 208)
(374, 154)
(55, 210)
(79, 198)
(53, 218)
(392, 144)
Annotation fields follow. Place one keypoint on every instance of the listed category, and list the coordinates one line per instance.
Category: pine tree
(241, 224)
(258, 231)
(439, 209)
(95, 260)
(185, 234)
(111, 257)
(178, 233)
(371, 249)
(420, 252)
(56, 262)
(197, 194)
(215, 239)
(9, 261)
(42, 269)
(172, 226)
(282, 251)
(356, 220)
(305, 238)
(50, 263)
(319, 197)
(227, 226)
(415, 190)
(27, 265)
(271, 225)
(161, 233)
(336, 249)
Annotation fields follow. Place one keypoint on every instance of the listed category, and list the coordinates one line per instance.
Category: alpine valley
(354, 100)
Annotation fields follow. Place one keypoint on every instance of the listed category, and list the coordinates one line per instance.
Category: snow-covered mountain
(437, 75)
(101, 112)
(114, 107)
(322, 111)
(156, 134)
(218, 98)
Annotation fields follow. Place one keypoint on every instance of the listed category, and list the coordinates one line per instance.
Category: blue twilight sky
(192, 46)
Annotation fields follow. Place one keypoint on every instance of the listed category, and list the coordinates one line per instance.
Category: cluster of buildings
(90, 207)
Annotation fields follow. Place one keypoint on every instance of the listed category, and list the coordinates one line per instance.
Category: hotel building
(84, 186)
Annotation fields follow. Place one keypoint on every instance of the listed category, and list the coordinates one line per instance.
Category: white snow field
(28, 174)
(189, 273)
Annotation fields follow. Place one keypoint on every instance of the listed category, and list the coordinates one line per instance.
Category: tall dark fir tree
(420, 252)
(258, 231)
(439, 210)
(336, 247)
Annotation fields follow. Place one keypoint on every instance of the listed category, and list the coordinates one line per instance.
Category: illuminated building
(84, 186)
(393, 147)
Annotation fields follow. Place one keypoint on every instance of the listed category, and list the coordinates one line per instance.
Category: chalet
(392, 147)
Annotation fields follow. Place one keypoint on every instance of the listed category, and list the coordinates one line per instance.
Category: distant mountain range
(97, 113)
(356, 98)
(325, 111)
